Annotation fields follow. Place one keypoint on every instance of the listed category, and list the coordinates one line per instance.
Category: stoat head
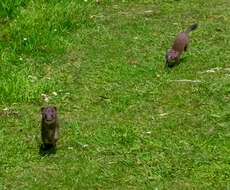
(171, 55)
(49, 114)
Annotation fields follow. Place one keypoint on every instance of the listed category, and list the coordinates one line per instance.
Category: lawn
(126, 121)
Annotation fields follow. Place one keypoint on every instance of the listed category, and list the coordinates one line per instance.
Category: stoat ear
(55, 108)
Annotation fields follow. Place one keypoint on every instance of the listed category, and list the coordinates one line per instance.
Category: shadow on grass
(46, 150)
(183, 59)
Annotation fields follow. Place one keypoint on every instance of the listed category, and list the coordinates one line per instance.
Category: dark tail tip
(192, 27)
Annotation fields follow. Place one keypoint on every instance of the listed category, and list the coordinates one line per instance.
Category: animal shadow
(168, 65)
(183, 59)
(46, 150)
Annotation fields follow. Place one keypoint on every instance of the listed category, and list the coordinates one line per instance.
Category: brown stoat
(180, 44)
(50, 127)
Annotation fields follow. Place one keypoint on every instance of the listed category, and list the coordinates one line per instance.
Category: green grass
(126, 122)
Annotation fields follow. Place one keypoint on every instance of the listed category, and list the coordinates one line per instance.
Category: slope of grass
(126, 121)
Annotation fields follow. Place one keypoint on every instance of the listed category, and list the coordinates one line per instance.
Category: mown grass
(126, 121)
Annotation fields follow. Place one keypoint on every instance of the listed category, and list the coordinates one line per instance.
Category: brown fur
(180, 44)
(49, 127)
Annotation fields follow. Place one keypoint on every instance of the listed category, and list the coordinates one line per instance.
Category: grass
(126, 121)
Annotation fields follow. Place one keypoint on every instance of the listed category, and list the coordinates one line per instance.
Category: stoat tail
(192, 27)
